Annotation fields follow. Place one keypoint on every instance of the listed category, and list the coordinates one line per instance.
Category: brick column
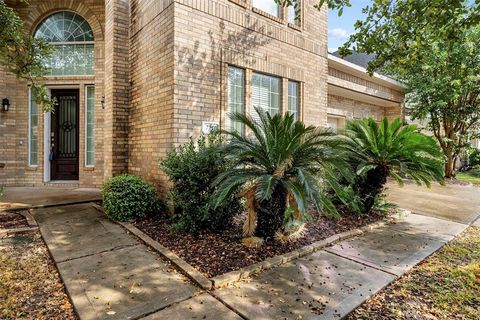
(116, 87)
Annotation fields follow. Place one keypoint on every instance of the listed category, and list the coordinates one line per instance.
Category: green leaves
(128, 197)
(282, 156)
(23, 55)
(377, 151)
(191, 168)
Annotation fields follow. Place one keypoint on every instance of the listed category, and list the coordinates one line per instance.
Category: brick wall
(14, 123)
(152, 100)
(180, 51)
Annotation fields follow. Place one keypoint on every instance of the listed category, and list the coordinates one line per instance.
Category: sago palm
(279, 164)
(378, 151)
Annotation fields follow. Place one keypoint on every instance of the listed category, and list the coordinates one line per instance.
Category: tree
(445, 91)
(377, 151)
(282, 166)
(431, 46)
(23, 55)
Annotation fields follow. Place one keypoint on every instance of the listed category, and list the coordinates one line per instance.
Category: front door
(64, 136)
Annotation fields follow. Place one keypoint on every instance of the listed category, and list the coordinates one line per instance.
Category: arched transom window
(72, 38)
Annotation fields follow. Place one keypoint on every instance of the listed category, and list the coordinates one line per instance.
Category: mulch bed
(218, 253)
(11, 220)
(30, 286)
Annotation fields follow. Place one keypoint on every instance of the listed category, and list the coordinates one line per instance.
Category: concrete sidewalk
(110, 275)
(331, 283)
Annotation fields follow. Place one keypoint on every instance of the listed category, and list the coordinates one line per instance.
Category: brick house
(134, 77)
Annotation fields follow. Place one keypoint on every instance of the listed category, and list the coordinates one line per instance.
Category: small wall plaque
(209, 126)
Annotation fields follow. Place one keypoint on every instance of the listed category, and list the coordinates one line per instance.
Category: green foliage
(377, 151)
(431, 46)
(401, 32)
(474, 158)
(191, 168)
(129, 197)
(445, 91)
(281, 159)
(23, 55)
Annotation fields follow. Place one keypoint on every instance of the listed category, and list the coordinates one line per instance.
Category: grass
(472, 176)
(30, 287)
(444, 286)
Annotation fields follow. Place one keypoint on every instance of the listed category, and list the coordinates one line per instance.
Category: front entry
(64, 136)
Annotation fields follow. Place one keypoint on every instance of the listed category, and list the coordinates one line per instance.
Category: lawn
(472, 176)
(30, 287)
(444, 286)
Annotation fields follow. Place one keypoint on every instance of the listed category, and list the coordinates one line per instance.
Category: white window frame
(279, 93)
(30, 164)
(229, 122)
(297, 99)
(87, 165)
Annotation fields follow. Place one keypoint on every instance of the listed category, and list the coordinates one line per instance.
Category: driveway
(451, 202)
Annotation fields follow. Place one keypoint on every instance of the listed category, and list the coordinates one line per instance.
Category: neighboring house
(133, 78)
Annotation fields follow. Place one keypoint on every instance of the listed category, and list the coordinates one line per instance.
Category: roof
(360, 59)
(360, 71)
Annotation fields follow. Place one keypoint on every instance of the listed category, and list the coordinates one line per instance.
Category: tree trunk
(450, 166)
(270, 214)
(372, 187)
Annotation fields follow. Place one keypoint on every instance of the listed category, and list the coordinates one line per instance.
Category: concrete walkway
(27, 197)
(109, 274)
(331, 283)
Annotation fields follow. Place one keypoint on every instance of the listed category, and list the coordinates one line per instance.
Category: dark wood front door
(64, 136)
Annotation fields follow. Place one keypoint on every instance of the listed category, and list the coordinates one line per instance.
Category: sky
(339, 28)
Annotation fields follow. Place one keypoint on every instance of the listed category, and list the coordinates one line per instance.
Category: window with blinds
(266, 94)
(236, 96)
(294, 99)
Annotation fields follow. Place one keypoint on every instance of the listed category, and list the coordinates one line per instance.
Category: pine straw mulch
(30, 287)
(218, 253)
(11, 220)
(445, 286)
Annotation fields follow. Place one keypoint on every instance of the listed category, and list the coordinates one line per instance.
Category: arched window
(72, 37)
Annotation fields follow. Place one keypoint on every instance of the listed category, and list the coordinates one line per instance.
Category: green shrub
(474, 158)
(129, 197)
(377, 151)
(282, 169)
(191, 168)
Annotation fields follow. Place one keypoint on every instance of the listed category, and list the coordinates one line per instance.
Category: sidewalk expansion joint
(361, 263)
(99, 252)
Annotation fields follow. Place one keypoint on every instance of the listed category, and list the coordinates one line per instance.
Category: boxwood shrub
(192, 168)
(129, 197)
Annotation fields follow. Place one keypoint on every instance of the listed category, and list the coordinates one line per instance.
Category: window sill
(32, 168)
(295, 27)
(267, 15)
(241, 3)
(88, 168)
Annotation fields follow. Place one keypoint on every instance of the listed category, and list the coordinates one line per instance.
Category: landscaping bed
(30, 286)
(444, 286)
(217, 253)
(11, 220)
